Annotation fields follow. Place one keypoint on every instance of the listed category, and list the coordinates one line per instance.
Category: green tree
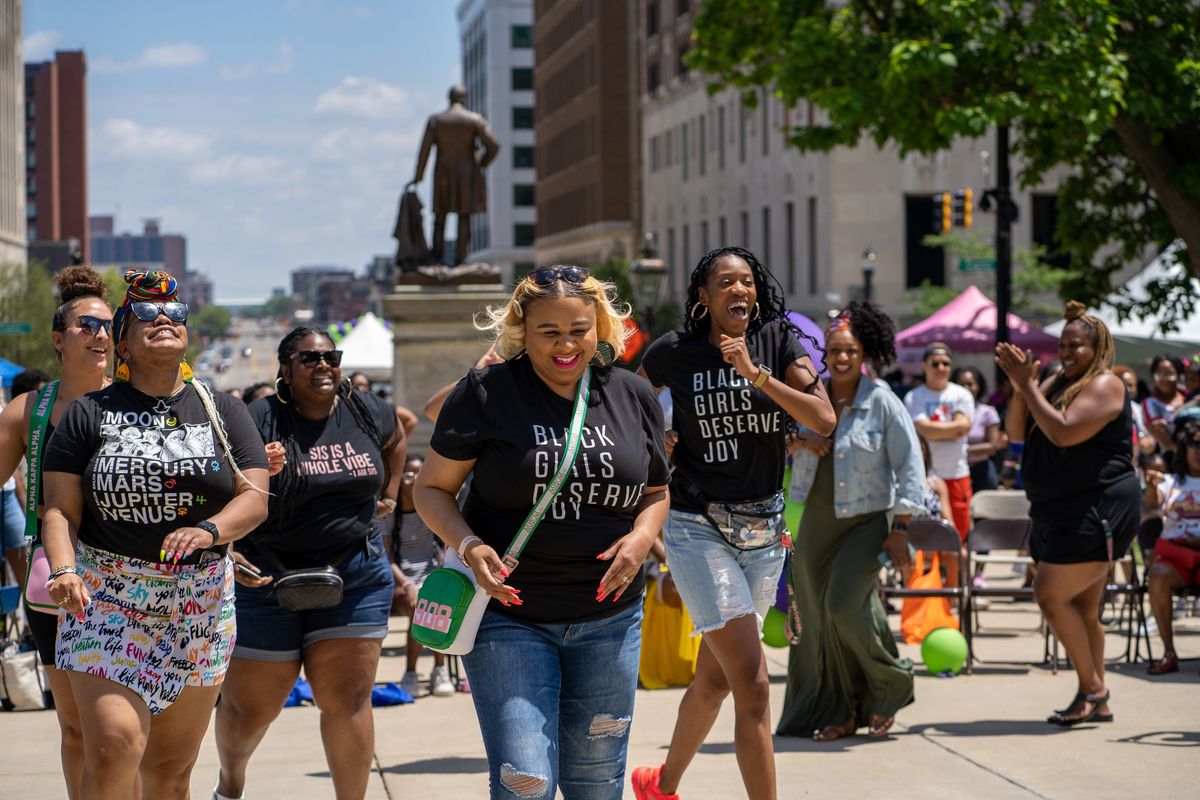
(211, 322)
(28, 295)
(279, 307)
(1108, 88)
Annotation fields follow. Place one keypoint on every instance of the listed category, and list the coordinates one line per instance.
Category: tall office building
(13, 230)
(56, 149)
(586, 126)
(151, 249)
(497, 53)
(719, 172)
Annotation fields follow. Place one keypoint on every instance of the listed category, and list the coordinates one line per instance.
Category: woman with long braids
(343, 460)
(1084, 495)
(738, 376)
(82, 334)
(146, 482)
(846, 671)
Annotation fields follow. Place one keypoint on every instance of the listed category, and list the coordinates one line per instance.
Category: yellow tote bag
(669, 650)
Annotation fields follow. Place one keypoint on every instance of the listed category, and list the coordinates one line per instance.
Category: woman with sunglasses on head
(738, 377)
(846, 671)
(1084, 494)
(554, 667)
(344, 455)
(82, 334)
(146, 482)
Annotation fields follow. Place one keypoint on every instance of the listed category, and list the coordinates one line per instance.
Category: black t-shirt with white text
(147, 473)
(731, 435)
(341, 473)
(514, 427)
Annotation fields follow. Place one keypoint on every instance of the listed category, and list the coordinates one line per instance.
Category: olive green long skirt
(846, 661)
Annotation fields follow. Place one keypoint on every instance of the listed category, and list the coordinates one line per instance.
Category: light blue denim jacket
(877, 464)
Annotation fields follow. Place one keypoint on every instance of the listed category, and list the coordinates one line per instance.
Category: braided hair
(291, 485)
(767, 289)
(875, 332)
(1075, 314)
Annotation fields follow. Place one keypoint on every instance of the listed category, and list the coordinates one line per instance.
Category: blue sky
(271, 133)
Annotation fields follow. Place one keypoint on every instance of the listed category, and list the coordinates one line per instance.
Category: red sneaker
(645, 784)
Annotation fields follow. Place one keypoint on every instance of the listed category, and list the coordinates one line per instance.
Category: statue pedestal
(435, 342)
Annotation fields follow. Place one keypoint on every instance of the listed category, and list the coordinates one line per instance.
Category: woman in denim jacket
(846, 670)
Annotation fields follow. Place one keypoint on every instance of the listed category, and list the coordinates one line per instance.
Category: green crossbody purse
(450, 604)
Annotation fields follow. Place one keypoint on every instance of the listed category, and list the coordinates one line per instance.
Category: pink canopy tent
(968, 324)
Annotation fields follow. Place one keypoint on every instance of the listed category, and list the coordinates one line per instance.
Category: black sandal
(1097, 700)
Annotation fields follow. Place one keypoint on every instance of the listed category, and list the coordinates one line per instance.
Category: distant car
(246, 352)
(224, 365)
(226, 351)
(204, 365)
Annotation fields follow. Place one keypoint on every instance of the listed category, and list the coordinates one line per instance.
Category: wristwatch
(902, 527)
(764, 375)
(208, 525)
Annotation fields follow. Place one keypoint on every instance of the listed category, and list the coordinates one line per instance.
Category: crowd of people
(189, 544)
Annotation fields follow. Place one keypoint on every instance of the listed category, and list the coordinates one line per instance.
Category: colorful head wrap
(148, 285)
(841, 322)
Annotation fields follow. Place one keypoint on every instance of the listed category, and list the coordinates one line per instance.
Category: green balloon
(774, 633)
(793, 510)
(944, 650)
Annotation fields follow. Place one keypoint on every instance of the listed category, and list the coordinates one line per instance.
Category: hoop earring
(703, 312)
(279, 392)
(757, 311)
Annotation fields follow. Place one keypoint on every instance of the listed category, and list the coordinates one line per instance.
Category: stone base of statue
(434, 334)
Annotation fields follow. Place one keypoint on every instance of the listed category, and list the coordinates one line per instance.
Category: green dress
(846, 659)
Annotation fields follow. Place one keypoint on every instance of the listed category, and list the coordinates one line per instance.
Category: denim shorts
(555, 703)
(266, 632)
(12, 521)
(717, 581)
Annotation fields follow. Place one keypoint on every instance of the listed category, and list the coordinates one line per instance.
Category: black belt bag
(749, 525)
(309, 588)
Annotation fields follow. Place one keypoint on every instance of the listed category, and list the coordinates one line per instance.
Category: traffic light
(942, 216)
(963, 201)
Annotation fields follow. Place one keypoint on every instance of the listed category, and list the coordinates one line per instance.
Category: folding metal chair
(931, 535)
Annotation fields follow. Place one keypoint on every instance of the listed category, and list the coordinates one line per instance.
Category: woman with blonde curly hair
(1084, 494)
(554, 668)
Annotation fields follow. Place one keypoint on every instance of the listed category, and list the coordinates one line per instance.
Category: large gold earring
(279, 386)
(757, 311)
(185, 372)
(703, 312)
(122, 373)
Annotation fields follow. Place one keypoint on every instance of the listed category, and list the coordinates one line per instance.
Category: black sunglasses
(310, 358)
(93, 325)
(1193, 444)
(147, 311)
(940, 363)
(548, 275)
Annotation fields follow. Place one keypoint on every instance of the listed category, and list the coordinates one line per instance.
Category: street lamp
(868, 272)
(648, 279)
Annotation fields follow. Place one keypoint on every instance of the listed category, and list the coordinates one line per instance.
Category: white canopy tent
(368, 348)
(1139, 339)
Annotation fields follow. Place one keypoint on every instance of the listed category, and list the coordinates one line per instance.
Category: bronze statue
(458, 184)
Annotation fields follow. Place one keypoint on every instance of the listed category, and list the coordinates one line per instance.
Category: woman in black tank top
(1084, 497)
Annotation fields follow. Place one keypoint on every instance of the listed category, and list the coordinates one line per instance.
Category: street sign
(977, 265)
(10, 328)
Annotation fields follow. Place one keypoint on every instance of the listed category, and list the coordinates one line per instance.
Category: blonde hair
(506, 323)
(1105, 351)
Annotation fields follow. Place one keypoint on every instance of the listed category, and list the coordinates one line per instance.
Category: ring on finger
(625, 579)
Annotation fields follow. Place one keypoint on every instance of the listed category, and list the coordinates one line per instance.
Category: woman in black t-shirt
(344, 455)
(554, 668)
(154, 474)
(738, 376)
(1084, 494)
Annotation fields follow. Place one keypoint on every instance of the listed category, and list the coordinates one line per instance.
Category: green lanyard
(39, 421)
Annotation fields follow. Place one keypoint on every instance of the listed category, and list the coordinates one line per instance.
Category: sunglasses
(93, 325)
(310, 358)
(939, 363)
(548, 275)
(1193, 444)
(147, 311)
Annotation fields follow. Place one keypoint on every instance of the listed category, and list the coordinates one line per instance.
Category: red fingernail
(515, 591)
(518, 601)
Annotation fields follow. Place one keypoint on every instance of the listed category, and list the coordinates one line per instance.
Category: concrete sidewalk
(974, 736)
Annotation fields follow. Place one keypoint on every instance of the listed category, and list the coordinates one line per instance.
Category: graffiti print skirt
(153, 628)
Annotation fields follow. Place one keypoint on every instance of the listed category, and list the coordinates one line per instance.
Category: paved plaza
(973, 736)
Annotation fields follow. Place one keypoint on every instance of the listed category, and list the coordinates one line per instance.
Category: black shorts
(44, 628)
(1075, 532)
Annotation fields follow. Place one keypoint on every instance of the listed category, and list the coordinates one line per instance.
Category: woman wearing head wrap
(1083, 491)
(136, 542)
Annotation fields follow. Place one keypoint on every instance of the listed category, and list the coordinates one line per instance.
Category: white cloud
(124, 138)
(280, 65)
(160, 56)
(40, 45)
(237, 168)
(369, 98)
(345, 144)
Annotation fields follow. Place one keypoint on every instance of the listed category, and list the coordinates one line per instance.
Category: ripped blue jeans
(555, 703)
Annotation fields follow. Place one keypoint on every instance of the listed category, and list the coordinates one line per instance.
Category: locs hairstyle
(770, 300)
(290, 489)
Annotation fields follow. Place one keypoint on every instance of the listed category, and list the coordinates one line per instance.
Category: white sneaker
(411, 683)
(439, 682)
